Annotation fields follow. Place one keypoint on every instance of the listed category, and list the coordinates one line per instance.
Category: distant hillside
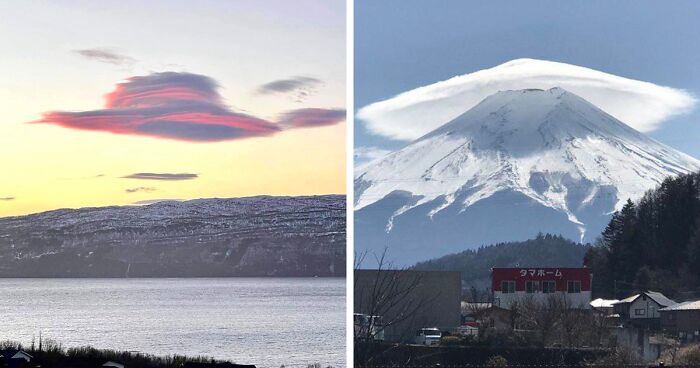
(652, 244)
(542, 251)
(252, 236)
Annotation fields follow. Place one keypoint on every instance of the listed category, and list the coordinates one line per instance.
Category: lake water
(264, 321)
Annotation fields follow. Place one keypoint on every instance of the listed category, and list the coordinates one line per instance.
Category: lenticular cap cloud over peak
(170, 105)
(412, 114)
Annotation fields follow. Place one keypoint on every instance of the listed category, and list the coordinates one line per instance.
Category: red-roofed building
(514, 284)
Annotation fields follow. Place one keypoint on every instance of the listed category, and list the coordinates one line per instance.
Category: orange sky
(47, 166)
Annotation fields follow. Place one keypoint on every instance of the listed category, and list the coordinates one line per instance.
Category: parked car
(428, 336)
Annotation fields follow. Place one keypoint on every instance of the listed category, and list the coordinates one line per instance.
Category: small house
(642, 310)
(682, 320)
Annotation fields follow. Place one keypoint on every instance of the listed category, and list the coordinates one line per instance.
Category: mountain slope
(475, 265)
(253, 236)
(518, 163)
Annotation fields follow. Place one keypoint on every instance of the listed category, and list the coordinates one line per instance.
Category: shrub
(450, 341)
(496, 361)
(690, 355)
(617, 358)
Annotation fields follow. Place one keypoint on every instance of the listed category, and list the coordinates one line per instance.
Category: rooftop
(603, 303)
(689, 305)
(659, 298)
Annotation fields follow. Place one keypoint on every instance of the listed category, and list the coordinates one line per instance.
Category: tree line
(652, 244)
(545, 250)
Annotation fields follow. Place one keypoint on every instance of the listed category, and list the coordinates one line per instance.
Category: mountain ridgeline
(252, 236)
(652, 244)
(545, 250)
(516, 164)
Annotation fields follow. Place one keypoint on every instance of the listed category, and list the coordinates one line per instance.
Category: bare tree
(477, 303)
(557, 320)
(515, 314)
(388, 299)
(541, 317)
(571, 321)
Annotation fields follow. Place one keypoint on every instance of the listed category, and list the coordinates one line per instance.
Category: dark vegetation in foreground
(545, 250)
(653, 244)
(484, 356)
(53, 355)
(480, 356)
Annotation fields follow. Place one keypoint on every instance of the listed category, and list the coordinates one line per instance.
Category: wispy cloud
(161, 176)
(152, 201)
(140, 189)
(181, 106)
(105, 56)
(308, 118)
(410, 115)
(299, 88)
(7, 199)
(83, 177)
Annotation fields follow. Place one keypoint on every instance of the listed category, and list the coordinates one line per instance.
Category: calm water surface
(264, 321)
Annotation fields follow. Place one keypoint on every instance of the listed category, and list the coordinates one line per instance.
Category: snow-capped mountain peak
(550, 147)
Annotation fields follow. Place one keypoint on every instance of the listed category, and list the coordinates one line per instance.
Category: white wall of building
(648, 309)
(576, 300)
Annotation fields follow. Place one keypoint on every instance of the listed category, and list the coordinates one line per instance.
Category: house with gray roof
(682, 320)
(642, 310)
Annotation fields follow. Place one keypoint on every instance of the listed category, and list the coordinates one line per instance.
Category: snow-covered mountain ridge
(545, 148)
(252, 236)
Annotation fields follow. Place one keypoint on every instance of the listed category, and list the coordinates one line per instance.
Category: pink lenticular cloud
(170, 105)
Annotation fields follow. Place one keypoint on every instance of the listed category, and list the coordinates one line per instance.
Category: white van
(428, 336)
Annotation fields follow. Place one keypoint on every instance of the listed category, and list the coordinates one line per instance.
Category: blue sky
(404, 44)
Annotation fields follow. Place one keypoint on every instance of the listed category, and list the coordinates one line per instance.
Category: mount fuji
(518, 163)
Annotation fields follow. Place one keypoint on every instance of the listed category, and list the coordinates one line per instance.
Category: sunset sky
(125, 102)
